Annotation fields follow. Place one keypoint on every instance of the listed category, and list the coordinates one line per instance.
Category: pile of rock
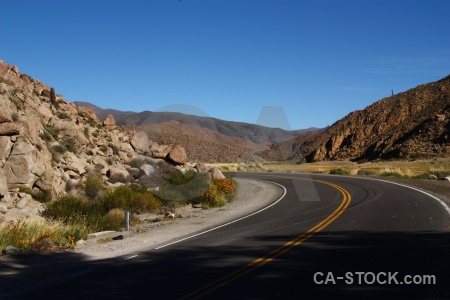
(54, 147)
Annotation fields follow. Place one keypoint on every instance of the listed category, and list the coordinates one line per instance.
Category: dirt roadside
(252, 196)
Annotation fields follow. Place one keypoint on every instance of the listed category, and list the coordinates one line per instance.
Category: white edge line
(234, 221)
(133, 256)
(444, 205)
(416, 189)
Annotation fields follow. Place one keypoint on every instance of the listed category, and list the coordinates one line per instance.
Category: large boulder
(109, 123)
(9, 129)
(146, 170)
(177, 155)
(140, 141)
(215, 174)
(159, 151)
(25, 164)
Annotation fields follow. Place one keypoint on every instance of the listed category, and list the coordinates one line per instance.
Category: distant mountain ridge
(251, 132)
(412, 124)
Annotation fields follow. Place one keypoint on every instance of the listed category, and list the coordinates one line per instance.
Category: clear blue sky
(317, 60)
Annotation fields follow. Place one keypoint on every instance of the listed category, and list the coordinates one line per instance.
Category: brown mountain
(412, 124)
(252, 132)
(205, 139)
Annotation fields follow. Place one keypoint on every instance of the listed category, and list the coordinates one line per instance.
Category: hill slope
(415, 123)
(251, 132)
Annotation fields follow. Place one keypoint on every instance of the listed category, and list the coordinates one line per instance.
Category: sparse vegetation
(63, 115)
(339, 171)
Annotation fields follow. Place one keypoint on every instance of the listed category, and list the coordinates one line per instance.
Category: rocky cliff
(412, 124)
(48, 145)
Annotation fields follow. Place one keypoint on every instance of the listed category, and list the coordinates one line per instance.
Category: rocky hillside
(203, 144)
(250, 132)
(48, 145)
(412, 124)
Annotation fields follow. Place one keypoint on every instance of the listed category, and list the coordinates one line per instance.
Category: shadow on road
(177, 271)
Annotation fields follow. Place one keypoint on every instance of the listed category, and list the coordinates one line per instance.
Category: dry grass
(403, 168)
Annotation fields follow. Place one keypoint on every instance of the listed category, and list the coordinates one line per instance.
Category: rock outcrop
(54, 146)
(412, 124)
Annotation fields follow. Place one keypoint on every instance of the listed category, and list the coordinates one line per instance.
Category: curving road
(376, 235)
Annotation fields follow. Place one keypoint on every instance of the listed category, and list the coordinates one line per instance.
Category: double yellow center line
(259, 262)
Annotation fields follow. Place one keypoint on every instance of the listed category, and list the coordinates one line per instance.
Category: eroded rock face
(55, 147)
(413, 123)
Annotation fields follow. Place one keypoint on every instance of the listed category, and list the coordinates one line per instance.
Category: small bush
(93, 187)
(183, 187)
(59, 149)
(365, 172)
(134, 199)
(339, 171)
(220, 193)
(46, 136)
(53, 132)
(43, 196)
(391, 174)
(68, 145)
(86, 132)
(63, 115)
(37, 236)
(24, 189)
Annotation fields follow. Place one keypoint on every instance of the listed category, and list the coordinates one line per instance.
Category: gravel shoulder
(252, 196)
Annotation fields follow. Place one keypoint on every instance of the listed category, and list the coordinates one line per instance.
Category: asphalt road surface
(328, 237)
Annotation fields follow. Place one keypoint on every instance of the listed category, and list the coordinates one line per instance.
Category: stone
(24, 201)
(159, 151)
(71, 184)
(146, 169)
(9, 129)
(140, 141)
(3, 208)
(79, 167)
(3, 185)
(178, 155)
(216, 174)
(109, 121)
(6, 198)
(201, 168)
(10, 250)
(5, 117)
(115, 173)
(5, 147)
(80, 242)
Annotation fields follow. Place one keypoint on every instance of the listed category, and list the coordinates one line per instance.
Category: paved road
(371, 233)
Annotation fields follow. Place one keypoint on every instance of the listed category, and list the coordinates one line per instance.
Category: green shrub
(183, 187)
(68, 145)
(63, 115)
(59, 149)
(43, 196)
(134, 199)
(339, 171)
(54, 132)
(220, 193)
(93, 187)
(24, 189)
